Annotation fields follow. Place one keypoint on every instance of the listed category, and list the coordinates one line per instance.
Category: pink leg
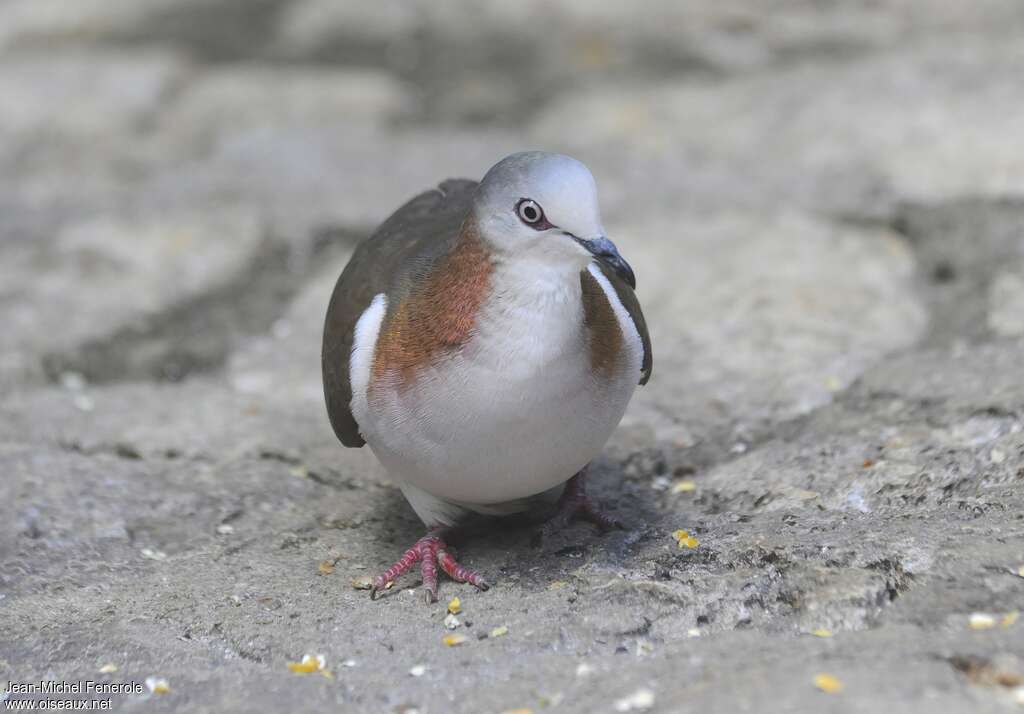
(429, 551)
(575, 503)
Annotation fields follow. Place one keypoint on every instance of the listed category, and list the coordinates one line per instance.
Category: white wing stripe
(364, 343)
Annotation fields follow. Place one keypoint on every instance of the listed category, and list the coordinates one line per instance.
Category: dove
(484, 342)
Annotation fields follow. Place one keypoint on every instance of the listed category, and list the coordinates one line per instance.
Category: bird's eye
(530, 212)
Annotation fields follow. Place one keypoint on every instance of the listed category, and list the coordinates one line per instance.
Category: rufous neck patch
(605, 333)
(437, 315)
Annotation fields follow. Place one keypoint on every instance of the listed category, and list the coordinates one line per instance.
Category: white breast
(516, 411)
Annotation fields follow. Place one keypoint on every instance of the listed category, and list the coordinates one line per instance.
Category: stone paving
(824, 205)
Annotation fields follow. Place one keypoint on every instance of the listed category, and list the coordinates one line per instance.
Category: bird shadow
(518, 546)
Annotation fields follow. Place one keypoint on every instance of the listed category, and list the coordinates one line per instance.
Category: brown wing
(628, 299)
(402, 248)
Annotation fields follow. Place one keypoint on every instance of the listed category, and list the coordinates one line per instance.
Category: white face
(536, 203)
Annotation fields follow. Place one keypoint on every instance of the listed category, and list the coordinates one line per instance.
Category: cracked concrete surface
(824, 206)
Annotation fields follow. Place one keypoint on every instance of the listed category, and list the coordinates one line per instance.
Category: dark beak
(605, 251)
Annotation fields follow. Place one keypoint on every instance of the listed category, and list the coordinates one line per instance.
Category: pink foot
(575, 503)
(429, 551)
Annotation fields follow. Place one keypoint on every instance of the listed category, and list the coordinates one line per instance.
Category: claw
(429, 551)
(575, 503)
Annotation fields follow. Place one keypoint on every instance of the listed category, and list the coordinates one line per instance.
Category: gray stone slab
(822, 204)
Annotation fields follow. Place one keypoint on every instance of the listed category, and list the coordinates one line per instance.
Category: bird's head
(545, 206)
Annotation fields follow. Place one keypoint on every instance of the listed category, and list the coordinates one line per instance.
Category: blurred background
(823, 204)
